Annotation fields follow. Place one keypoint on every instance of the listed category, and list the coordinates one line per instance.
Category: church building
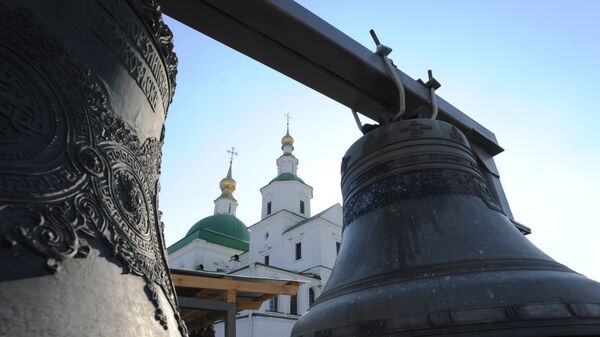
(287, 243)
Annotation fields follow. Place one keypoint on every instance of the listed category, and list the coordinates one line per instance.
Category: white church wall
(212, 256)
(284, 300)
(244, 258)
(287, 164)
(267, 196)
(243, 328)
(268, 326)
(259, 326)
(216, 260)
(325, 273)
(308, 237)
(187, 256)
(304, 196)
(302, 298)
(286, 195)
(283, 304)
(262, 244)
(334, 214)
(329, 235)
(225, 206)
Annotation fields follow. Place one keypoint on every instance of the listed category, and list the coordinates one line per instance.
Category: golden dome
(287, 140)
(228, 183)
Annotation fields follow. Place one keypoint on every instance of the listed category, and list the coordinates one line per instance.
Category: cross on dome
(287, 142)
(287, 117)
(232, 154)
(228, 184)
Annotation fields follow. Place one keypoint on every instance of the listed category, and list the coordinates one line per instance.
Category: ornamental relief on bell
(71, 170)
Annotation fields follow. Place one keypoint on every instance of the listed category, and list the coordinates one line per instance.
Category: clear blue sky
(527, 70)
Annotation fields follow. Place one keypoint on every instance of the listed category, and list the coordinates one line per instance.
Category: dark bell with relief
(84, 92)
(427, 251)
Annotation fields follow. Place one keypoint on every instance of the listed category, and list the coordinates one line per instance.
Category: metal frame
(292, 40)
(199, 304)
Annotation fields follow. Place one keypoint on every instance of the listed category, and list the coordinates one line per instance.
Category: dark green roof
(221, 229)
(287, 177)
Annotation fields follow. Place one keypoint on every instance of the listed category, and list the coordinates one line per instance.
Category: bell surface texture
(427, 251)
(85, 87)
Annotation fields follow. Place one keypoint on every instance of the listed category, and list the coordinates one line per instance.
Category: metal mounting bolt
(432, 84)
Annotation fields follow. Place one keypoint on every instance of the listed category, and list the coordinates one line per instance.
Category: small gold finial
(287, 139)
(228, 184)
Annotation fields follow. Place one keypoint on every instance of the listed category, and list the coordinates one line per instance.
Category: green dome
(222, 229)
(287, 177)
(225, 224)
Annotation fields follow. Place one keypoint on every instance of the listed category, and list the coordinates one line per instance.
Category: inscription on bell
(110, 34)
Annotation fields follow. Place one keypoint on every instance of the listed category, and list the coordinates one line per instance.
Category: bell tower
(286, 191)
(226, 203)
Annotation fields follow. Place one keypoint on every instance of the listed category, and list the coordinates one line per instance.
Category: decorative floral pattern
(70, 169)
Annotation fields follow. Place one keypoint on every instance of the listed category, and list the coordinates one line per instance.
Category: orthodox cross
(287, 117)
(232, 154)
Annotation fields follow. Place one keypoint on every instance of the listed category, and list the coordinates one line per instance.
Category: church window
(268, 208)
(337, 247)
(298, 250)
(311, 297)
(273, 304)
(301, 206)
(267, 260)
(293, 305)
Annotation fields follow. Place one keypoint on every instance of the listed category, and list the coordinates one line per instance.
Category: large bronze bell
(427, 251)
(84, 92)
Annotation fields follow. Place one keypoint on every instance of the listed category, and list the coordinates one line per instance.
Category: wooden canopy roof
(244, 292)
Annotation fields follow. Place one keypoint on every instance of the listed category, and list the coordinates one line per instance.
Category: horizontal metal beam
(290, 39)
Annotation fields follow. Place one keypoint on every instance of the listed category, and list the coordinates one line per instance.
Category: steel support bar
(290, 39)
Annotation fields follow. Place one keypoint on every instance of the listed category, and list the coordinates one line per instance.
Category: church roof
(221, 229)
(274, 268)
(248, 292)
(287, 177)
(307, 220)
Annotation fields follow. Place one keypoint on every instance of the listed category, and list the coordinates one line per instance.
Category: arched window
(311, 297)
